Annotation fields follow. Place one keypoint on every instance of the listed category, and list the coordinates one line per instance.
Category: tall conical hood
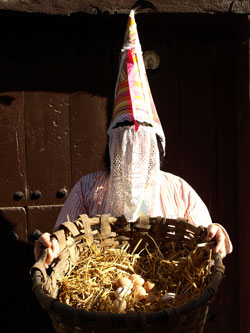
(133, 100)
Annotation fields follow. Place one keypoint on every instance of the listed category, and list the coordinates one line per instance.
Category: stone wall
(68, 7)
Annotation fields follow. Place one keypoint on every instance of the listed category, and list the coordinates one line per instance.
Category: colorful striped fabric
(131, 36)
(133, 100)
(130, 101)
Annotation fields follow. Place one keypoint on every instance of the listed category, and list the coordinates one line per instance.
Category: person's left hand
(214, 231)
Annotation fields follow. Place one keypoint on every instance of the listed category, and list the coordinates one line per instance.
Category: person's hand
(44, 241)
(214, 231)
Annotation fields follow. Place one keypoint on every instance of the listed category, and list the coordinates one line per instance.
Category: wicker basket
(189, 317)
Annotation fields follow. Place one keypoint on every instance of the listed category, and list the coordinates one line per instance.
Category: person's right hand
(45, 241)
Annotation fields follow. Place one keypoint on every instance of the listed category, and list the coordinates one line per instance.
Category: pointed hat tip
(132, 13)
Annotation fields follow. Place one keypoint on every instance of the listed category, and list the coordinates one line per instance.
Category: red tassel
(131, 84)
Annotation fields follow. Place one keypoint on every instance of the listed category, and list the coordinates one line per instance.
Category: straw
(90, 284)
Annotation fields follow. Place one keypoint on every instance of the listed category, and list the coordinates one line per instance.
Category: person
(134, 185)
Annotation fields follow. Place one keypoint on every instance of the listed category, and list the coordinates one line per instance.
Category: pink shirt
(178, 200)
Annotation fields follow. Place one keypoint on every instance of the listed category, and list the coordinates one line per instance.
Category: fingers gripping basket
(189, 317)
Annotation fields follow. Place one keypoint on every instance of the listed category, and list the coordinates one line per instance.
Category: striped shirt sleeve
(198, 214)
(179, 199)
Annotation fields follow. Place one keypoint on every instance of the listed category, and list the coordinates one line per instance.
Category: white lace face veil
(134, 185)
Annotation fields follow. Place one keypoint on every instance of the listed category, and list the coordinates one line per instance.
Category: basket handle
(39, 277)
(38, 272)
